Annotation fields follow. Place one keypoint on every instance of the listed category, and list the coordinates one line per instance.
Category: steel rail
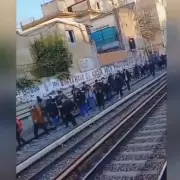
(162, 173)
(160, 83)
(90, 152)
(24, 165)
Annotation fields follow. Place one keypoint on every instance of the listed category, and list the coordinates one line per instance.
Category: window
(98, 5)
(71, 36)
(69, 9)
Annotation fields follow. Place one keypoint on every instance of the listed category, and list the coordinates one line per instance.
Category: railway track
(135, 150)
(58, 162)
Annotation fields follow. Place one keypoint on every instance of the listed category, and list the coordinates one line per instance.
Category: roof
(58, 15)
(47, 23)
(44, 19)
(76, 3)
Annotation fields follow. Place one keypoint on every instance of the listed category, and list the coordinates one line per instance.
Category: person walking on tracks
(106, 87)
(19, 128)
(127, 78)
(100, 98)
(119, 84)
(112, 83)
(54, 113)
(38, 120)
(136, 71)
(66, 112)
(82, 103)
(152, 68)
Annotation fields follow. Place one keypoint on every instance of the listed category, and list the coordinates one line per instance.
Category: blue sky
(26, 9)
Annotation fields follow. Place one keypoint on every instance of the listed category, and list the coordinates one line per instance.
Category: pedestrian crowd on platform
(87, 99)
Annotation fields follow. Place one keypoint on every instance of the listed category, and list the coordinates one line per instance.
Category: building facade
(110, 24)
(111, 32)
(75, 37)
(158, 14)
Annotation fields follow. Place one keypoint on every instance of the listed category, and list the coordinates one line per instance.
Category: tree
(51, 56)
(23, 83)
(148, 24)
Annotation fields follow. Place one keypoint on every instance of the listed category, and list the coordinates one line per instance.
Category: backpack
(19, 124)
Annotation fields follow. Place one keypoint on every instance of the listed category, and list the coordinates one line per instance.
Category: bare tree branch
(148, 23)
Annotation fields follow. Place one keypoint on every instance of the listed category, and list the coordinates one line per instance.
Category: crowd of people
(86, 99)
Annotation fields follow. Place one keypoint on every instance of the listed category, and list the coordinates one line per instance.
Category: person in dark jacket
(98, 85)
(165, 61)
(66, 112)
(59, 106)
(162, 60)
(73, 91)
(152, 68)
(119, 85)
(100, 98)
(120, 73)
(54, 113)
(80, 100)
(146, 68)
(136, 71)
(106, 87)
(85, 87)
(38, 99)
(62, 95)
(46, 111)
(112, 83)
(142, 70)
(127, 78)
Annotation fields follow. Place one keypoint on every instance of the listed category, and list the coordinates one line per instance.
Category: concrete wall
(105, 5)
(157, 41)
(80, 49)
(49, 8)
(62, 6)
(112, 57)
(69, 2)
(53, 7)
(22, 51)
(80, 6)
(130, 28)
(102, 22)
(162, 19)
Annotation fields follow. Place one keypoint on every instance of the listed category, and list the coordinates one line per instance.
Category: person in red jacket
(19, 128)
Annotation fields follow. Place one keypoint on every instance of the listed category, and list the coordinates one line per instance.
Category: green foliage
(23, 83)
(51, 56)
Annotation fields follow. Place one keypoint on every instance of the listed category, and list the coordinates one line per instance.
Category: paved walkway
(36, 145)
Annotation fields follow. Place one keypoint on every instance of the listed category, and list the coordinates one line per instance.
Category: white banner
(52, 84)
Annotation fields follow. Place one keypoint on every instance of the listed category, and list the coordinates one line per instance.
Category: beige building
(158, 42)
(75, 36)
(70, 17)
(124, 20)
(157, 8)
